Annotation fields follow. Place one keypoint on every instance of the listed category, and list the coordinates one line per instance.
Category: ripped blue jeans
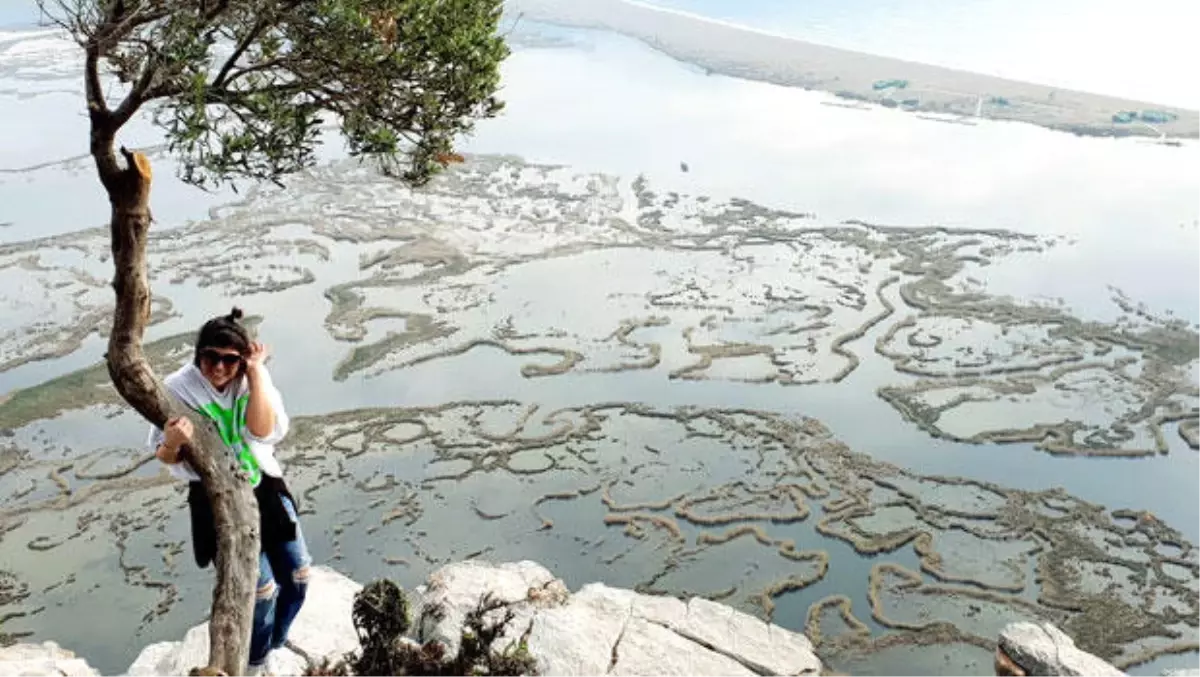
(282, 585)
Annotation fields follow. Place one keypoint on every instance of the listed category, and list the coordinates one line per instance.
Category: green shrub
(381, 618)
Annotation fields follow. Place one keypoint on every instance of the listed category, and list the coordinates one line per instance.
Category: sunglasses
(227, 359)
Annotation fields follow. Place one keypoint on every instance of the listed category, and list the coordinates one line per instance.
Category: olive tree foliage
(243, 86)
(242, 89)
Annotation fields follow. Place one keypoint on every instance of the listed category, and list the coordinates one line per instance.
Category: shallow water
(568, 286)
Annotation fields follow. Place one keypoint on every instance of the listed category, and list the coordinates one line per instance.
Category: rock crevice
(616, 647)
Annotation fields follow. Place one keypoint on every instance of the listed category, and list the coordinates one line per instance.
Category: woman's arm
(260, 414)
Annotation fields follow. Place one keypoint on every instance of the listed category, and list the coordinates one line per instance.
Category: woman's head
(221, 349)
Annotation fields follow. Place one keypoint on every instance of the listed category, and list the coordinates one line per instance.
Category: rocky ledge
(1042, 649)
(46, 658)
(594, 631)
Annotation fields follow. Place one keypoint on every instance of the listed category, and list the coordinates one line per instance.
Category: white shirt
(228, 411)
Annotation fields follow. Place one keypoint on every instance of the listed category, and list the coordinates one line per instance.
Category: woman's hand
(257, 357)
(177, 434)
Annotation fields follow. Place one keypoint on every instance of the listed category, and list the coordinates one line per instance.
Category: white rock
(1042, 649)
(658, 608)
(598, 630)
(154, 660)
(694, 637)
(764, 648)
(323, 629)
(177, 658)
(457, 589)
(174, 658)
(47, 658)
(286, 662)
(647, 648)
(577, 638)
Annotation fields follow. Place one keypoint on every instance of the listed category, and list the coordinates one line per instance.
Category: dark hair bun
(235, 314)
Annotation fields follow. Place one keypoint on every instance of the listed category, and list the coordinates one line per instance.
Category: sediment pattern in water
(502, 254)
(767, 513)
(1120, 386)
(736, 505)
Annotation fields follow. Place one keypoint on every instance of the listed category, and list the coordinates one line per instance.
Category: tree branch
(138, 93)
(102, 130)
(263, 23)
(105, 123)
(143, 90)
(66, 18)
(117, 27)
(241, 48)
(115, 11)
(256, 68)
(93, 90)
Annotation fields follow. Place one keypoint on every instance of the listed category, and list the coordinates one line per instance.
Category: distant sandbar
(938, 93)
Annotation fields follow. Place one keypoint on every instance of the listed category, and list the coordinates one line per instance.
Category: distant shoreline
(935, 92)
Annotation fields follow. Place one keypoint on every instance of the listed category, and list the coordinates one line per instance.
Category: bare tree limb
(138, 92)
(103, 131)
(118, 27)
(93, 90)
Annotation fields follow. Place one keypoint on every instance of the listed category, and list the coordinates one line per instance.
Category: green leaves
(425, 71)
(241, 86)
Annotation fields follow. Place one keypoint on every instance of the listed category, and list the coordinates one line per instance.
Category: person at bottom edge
(228, 383)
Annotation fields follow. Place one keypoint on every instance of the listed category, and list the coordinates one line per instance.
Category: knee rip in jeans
(266, 591)
(300, 576)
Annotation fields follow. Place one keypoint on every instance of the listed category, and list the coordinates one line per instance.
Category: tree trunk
(235, 512)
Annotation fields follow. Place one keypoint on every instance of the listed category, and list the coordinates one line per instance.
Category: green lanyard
(230, 424)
